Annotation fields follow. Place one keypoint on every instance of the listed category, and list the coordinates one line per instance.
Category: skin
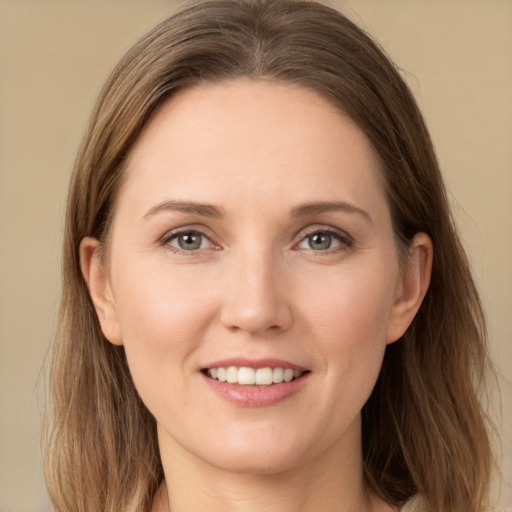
(256, 287)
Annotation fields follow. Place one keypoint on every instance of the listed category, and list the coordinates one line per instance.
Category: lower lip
(256, 396)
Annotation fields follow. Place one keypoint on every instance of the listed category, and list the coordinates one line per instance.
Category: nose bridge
(256, 298)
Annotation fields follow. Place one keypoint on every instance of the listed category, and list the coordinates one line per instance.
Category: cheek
(152, 298)
(349, 313)
(351, 304)
(161, 314)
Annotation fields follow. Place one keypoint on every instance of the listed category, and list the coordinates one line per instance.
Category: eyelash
(345, 240)
(174, 235)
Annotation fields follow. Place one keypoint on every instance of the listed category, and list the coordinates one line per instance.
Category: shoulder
(415, 504)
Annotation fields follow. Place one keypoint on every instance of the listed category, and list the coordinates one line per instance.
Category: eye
(188, 241)
(325, 240)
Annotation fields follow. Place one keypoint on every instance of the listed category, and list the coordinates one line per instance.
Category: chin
(258, 455)
(252, 464)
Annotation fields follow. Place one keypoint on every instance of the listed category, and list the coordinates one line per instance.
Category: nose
(256, 300)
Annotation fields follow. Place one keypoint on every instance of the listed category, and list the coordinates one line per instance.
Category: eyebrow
(209, 210)
(329, 206)
(204, 210)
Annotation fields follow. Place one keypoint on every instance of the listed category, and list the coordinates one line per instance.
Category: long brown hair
(424, 430)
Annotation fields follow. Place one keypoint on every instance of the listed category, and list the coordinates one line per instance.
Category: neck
(329, 481)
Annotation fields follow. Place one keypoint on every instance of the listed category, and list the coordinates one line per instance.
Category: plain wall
(54, 57)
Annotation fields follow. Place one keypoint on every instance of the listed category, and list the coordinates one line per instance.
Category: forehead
(251, 137)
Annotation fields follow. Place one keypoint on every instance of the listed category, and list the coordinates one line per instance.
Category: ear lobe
(96, 277)
(414, 285)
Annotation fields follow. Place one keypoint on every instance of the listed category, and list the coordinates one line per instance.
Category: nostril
(256, 319)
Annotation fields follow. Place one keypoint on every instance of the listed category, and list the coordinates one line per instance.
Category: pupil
(189, 241)
(320, 241)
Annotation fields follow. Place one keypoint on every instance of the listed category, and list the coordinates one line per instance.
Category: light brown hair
(424, 430)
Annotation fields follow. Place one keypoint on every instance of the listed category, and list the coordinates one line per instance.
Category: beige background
(54, 56)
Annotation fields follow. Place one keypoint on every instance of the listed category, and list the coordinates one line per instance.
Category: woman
(265, 300)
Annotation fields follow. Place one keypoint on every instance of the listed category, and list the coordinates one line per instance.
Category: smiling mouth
(245, 376)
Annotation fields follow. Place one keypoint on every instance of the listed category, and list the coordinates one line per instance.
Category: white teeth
(277, 375)
(246, 376)
(221, 374)
(263, 376)
(232, 375)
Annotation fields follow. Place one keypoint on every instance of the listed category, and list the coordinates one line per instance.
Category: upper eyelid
(200, 230)
(171, 235)
(303, 233)
(298, 237)
(345, 240)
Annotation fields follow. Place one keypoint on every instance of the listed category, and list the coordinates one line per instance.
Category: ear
(412, 287)
(98, 282)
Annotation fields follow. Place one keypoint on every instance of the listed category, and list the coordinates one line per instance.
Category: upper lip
(254, 363)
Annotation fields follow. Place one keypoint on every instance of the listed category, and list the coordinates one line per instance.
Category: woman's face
(252, 242)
